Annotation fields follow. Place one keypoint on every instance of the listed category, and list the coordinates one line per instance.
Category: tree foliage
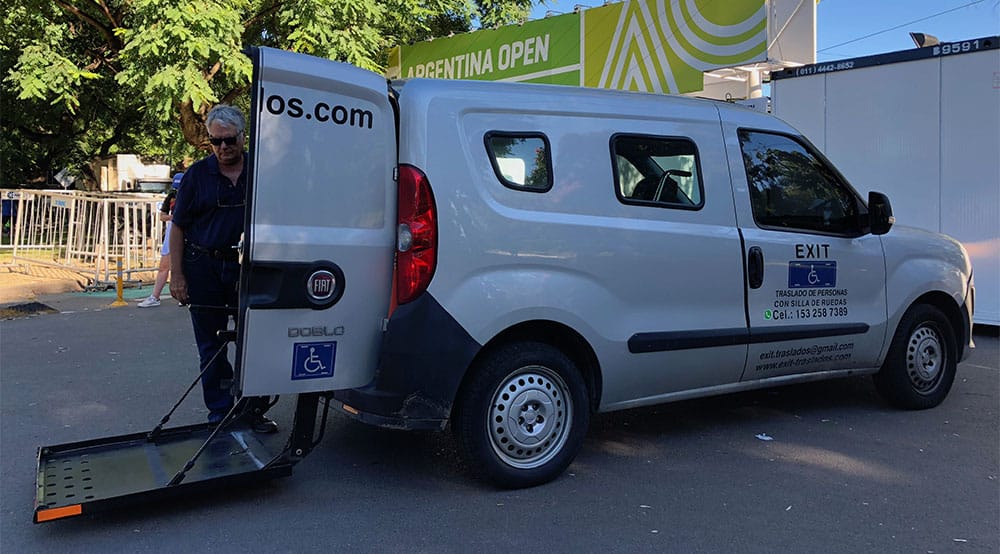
(88, 78)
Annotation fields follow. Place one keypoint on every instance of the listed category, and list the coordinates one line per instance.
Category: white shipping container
(922, 126)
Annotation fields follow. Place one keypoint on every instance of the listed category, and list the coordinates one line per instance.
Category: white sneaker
(150, 302)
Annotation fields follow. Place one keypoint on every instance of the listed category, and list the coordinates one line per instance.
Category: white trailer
(126, 172)
(921, 125)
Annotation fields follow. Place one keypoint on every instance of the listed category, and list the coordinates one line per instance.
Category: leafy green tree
(539, 176)
(86, 78)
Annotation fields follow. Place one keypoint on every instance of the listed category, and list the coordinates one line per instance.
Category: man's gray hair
(227, 115)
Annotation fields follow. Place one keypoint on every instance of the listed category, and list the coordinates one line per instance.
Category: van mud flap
(141, 468)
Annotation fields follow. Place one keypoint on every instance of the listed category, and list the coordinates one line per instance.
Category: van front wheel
(520, 419)
(920, 367)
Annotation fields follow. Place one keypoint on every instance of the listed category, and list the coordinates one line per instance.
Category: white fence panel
(87, 233)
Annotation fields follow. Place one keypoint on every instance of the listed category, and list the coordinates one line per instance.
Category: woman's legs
(161, 276)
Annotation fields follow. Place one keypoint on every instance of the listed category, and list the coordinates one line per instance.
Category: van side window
(521, 160)
(791, 187)
(656, 171)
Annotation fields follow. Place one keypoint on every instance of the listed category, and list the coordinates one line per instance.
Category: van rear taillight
(416, 235)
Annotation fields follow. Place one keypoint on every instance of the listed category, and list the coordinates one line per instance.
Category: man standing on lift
(208, 220)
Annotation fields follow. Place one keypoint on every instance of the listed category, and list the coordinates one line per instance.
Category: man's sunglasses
(216, 141)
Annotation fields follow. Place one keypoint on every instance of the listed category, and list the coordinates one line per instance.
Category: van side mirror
(879, 213)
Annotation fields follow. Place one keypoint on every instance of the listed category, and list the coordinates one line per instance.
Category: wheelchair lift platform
(141, 468)
(90, 476)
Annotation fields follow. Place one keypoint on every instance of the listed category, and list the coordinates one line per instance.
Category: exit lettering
(812, 251)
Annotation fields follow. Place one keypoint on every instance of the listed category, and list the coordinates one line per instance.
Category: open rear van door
(320, 234)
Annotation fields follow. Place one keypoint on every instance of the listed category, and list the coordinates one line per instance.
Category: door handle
(755, 267)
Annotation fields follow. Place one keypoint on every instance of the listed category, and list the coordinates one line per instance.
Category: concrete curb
(16, 287)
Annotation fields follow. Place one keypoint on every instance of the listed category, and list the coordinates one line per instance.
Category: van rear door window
(521, 161)
(657, 171)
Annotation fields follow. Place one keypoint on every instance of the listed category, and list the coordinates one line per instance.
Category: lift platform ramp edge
(137, 469)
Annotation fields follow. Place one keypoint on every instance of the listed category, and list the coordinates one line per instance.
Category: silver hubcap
(529, 417)
(925, 358)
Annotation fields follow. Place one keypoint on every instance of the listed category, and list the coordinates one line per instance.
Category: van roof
(522, 97)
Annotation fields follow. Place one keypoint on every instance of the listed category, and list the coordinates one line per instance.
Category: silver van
(508, 259)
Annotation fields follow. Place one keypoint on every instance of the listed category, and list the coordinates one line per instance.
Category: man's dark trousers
(213, 295)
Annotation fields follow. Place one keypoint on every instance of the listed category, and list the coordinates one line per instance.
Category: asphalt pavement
(822, 467)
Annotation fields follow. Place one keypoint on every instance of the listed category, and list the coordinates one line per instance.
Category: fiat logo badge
(320, 285)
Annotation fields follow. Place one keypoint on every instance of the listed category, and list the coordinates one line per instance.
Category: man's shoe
(261, 424)
(150, 302)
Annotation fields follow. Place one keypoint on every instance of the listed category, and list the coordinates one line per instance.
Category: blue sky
(840, 21)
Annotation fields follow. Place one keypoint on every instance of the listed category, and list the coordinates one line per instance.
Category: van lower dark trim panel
(683, 340)
(641, 343)
(424, 356)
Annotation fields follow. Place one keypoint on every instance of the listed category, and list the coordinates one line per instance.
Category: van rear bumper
(424, 356)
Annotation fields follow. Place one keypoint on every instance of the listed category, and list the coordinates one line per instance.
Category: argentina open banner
(640, 45)
(542, 51)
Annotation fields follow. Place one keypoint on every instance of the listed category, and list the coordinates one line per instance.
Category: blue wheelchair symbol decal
(812, 275)
(313, 359)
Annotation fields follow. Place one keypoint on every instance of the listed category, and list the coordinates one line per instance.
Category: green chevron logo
(665, 45)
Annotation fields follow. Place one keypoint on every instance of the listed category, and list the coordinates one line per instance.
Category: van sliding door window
(657, 171)
(521, 161)
(793, 188)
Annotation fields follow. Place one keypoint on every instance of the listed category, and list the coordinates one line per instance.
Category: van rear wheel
(520, 419)
(920, 367)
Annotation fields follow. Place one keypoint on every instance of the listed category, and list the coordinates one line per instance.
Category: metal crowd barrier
(84, 232)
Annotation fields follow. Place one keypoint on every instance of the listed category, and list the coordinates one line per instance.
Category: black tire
(522, 415)
(920, 368)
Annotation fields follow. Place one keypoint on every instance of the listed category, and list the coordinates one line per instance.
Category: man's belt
(225, 255)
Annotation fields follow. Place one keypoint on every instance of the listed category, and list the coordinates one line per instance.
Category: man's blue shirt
(209, 207)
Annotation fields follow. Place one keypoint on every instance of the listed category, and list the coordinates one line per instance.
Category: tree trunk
(193, 125)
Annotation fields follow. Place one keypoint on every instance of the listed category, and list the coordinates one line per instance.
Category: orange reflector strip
(350, 409)
(57, 513)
